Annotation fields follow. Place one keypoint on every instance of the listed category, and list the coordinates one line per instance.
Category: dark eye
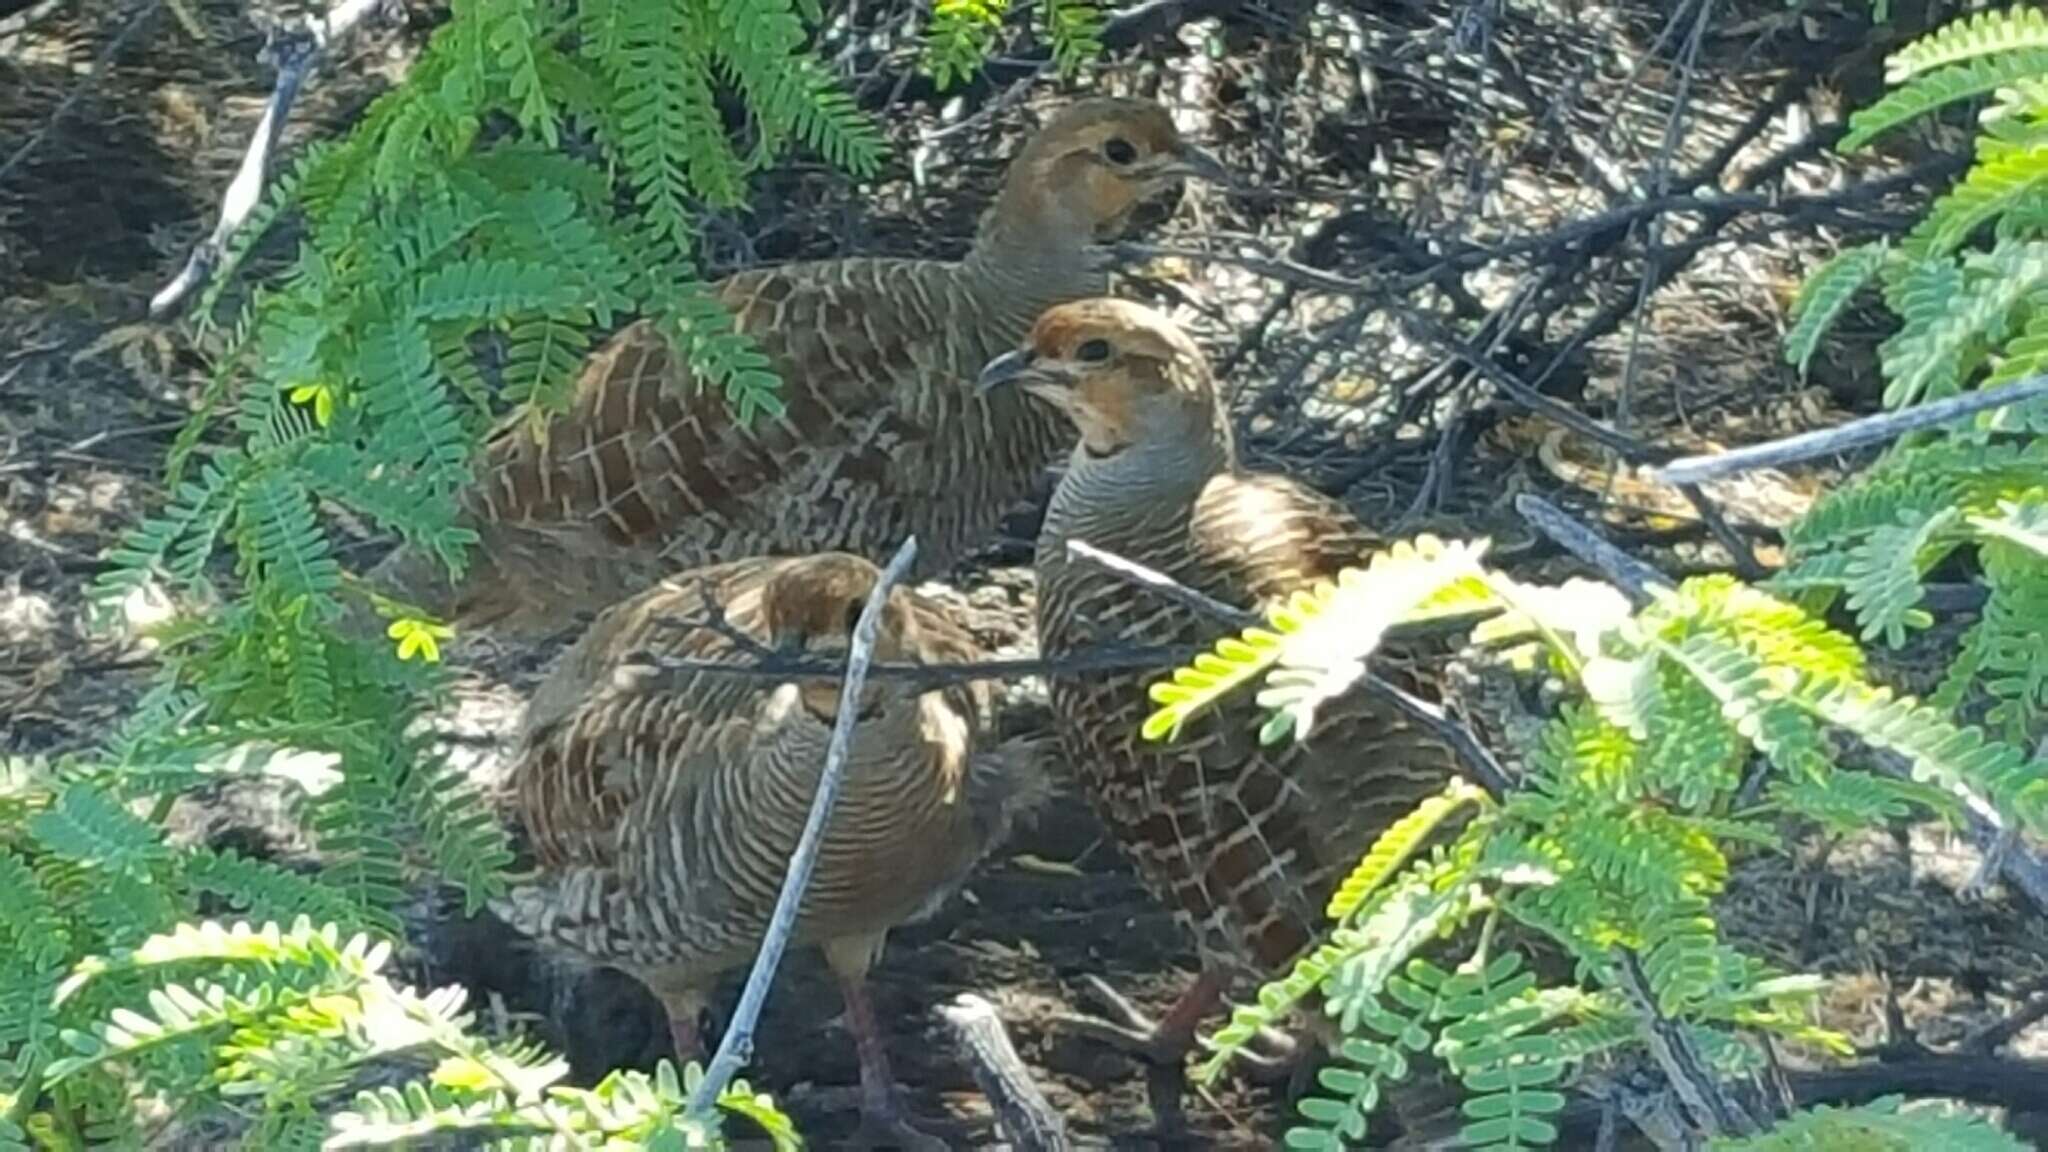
(1119, 151)
(1092, 351)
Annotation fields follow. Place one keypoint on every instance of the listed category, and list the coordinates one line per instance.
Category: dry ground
(102, 210)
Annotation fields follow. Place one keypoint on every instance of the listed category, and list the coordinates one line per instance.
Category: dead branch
(1625, 572)
(1846, 437)
(1023, 1115)
(1710, 1108)
(2021, 1085)
(295, 52)
(736, 1047)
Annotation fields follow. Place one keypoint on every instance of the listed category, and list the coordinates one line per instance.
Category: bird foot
(1125, 1027)
(886, 1123)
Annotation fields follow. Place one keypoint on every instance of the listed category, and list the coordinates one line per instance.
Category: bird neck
(1031, 253)
(1155, 481)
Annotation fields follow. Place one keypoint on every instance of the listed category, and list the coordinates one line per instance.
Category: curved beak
(1005, 369)
(1195, 164)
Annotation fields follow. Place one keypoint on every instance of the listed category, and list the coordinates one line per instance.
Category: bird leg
(883, 1120)
(684, 1004)
(1163, 1044)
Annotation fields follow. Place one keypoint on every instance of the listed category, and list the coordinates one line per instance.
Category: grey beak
(1194, 163)
(1004, 369)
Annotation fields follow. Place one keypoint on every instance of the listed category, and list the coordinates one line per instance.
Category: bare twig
(1846, 437)
(737, 1045)
(1023, 1115)
(1159, 583)
(1653, 229)
(295, 52)
(1992, 1037)
(1625, 572)
(1712, 1110)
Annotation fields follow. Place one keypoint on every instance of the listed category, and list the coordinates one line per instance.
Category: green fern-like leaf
(1926, 359)
(1826, 295)
(720, 355)
(285, 539)
(1883, 1125)
(2004, 179)
(1928, 91)
(1884, 573)
(1319, 638)
(87, 827)
(1983, 34)
(1074, 27)
(491, 290)
(178, 539)
(1399, 844)
(1493, 1044)
(1954, 756)
(960, 36)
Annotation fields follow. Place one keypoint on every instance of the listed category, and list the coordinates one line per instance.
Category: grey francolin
(1243, 843)
(883, 435)
(662, 808)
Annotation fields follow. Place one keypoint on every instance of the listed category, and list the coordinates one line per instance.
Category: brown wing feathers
(882, 434)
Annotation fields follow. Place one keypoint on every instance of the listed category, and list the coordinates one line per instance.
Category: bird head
(1122, 372)
(812, 608)
(1097, 160)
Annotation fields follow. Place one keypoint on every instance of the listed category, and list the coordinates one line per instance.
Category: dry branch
(736, 1047)
(1023, 1115)
(294, 52)
(1846, 437)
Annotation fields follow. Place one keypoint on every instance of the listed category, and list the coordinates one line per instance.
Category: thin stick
(295, 52)
(1845, 437)
(737, 1045)
(1632, 576)
(1153, 580)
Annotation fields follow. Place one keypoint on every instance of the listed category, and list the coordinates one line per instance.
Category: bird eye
(1119, 151)
(1092, 351)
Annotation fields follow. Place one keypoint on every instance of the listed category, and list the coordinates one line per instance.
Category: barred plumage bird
(883, 435)
(662, 807)
(1243, 843)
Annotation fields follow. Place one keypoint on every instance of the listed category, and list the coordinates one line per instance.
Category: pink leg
(882, 1118)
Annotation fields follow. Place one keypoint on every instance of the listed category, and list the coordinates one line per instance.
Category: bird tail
(1010, 784)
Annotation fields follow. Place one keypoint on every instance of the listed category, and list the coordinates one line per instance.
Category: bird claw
(1127, 1029)
(887, 1124)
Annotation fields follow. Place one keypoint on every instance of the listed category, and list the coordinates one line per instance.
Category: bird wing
(1274, 536)
(645, 449)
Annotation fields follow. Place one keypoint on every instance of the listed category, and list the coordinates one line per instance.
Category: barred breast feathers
(663, 806)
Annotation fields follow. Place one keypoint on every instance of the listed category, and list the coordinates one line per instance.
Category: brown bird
(1243, 843)
(662, 808)
(883, 435)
